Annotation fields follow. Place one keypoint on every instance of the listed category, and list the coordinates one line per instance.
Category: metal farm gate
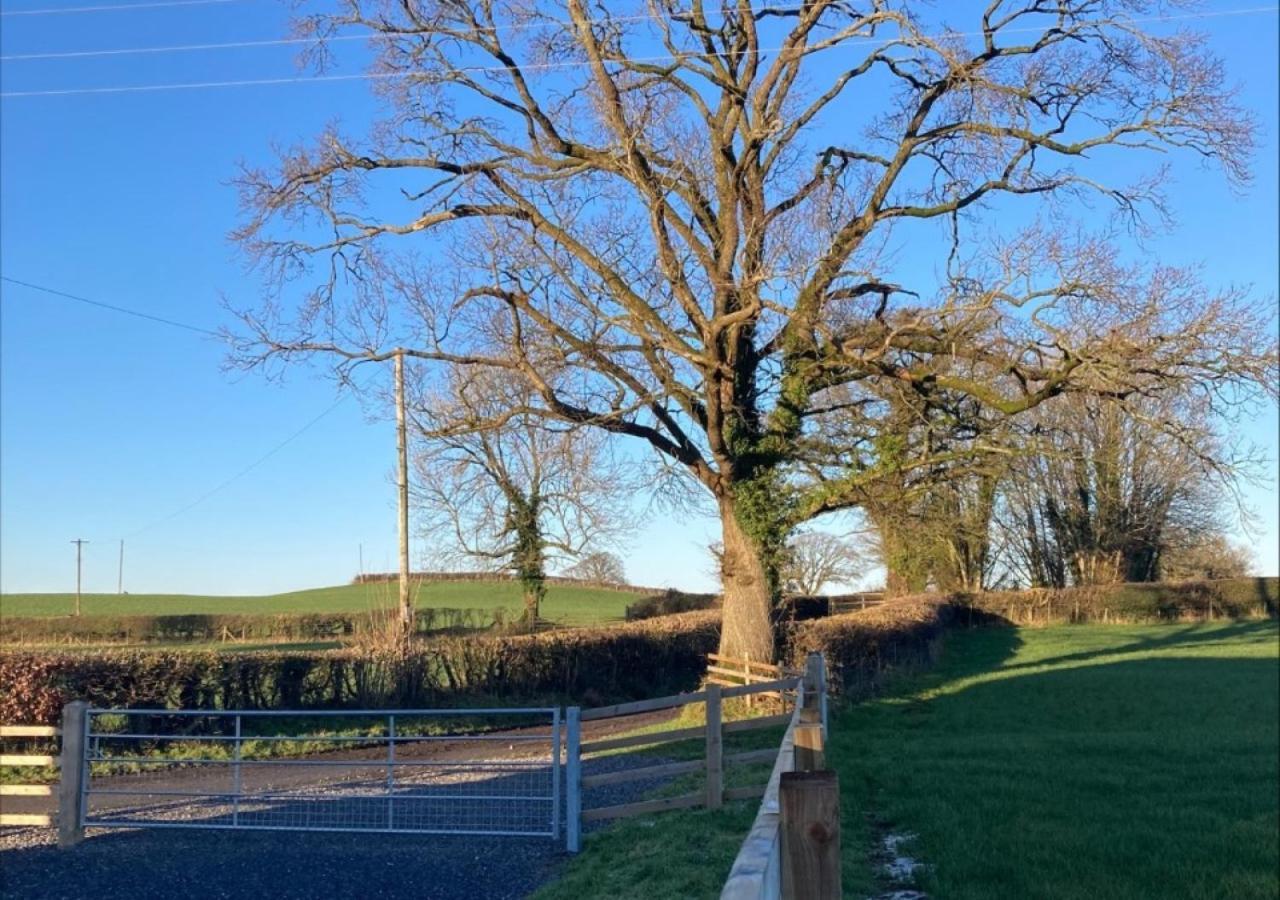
(426, 771)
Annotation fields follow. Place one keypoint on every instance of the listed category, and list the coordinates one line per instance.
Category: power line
(246, 470)
(285, 42)
(120, 309)
(116, 7)
(568, 64)
(181, 48)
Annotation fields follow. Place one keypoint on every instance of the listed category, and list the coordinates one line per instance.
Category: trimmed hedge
(1232, 598)
(503, 578)
(214, 626)
(645, 659)
(861, 646)
(670, 602)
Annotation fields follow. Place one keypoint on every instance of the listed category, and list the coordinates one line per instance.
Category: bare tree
(1102, 492)
(509, 491)
(816, 559)
(599, 566)
(1193, 557)
(685, 210)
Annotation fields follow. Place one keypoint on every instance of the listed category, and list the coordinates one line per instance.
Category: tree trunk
(907, 561)
(532, 601)
(527, 558)
(749, 593)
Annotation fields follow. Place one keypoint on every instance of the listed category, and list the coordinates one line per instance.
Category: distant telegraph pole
(79, 544)
(120, 577)
(402, 482)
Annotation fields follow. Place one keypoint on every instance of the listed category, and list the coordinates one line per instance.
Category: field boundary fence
(792, 851)
(793, 690)
(31, 757)
(513, 771)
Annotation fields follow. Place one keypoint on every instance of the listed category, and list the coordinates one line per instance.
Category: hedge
(212, 627)
(792, 608)
(503, 578)
(1161, 601)
(861, 646)
(670, 602)
(591, 666)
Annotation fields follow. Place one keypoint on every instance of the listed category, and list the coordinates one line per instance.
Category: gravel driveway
(133, 864)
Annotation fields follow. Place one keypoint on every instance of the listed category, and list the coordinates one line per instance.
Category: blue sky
(109, 425)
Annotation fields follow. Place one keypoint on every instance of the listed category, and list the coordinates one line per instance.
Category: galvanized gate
(427, 771)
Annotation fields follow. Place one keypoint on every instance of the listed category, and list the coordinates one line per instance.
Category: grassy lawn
(564, 603)
(1066, 762)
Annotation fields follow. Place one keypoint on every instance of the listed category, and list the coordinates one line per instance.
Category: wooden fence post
(822, 693)
(715, 750)
(809, 804)
(815, 691)
(810, 755)
(72, 772)
(573, 779)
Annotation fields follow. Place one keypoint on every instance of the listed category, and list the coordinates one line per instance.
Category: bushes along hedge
(215, 626)
(1231, 598)
(861, 646)
(632, 661)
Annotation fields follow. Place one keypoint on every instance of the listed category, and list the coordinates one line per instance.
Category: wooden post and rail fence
(69, 763)
(793, 850)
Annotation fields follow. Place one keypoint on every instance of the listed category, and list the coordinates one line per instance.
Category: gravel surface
(137, 864)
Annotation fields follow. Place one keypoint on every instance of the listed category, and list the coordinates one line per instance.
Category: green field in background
(569, 604)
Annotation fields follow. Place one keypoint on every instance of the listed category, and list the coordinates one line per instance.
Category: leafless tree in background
(1193, 557)
(511, 491)
(682, 211)
(816, 559)
(601, 566)
(1103, 492)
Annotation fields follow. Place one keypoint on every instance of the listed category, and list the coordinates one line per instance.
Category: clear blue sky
(110, 425)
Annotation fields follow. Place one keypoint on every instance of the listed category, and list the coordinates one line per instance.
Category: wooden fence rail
(26, 760)
(751, 680)
(793, 849)
(67, 762)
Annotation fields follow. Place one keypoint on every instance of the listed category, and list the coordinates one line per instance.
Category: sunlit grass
(1069, 762)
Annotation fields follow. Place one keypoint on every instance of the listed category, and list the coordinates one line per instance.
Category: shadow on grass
(1131, 778)
(1171, 637)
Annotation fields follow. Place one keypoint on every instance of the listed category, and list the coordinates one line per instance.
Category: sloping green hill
(571, 604)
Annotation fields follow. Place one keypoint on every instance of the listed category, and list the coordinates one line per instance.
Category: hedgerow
(670, 602)
(861, 646)
(1231, 598)
(214, 626)
(631, 661)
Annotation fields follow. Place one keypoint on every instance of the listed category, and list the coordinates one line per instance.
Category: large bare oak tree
(683, 210)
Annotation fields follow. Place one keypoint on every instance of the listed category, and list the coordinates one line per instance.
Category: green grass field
(569, 604)
(1073, 762)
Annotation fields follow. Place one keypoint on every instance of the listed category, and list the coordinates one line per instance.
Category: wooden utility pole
(402, 479)
(79, 543)
(120, 576)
